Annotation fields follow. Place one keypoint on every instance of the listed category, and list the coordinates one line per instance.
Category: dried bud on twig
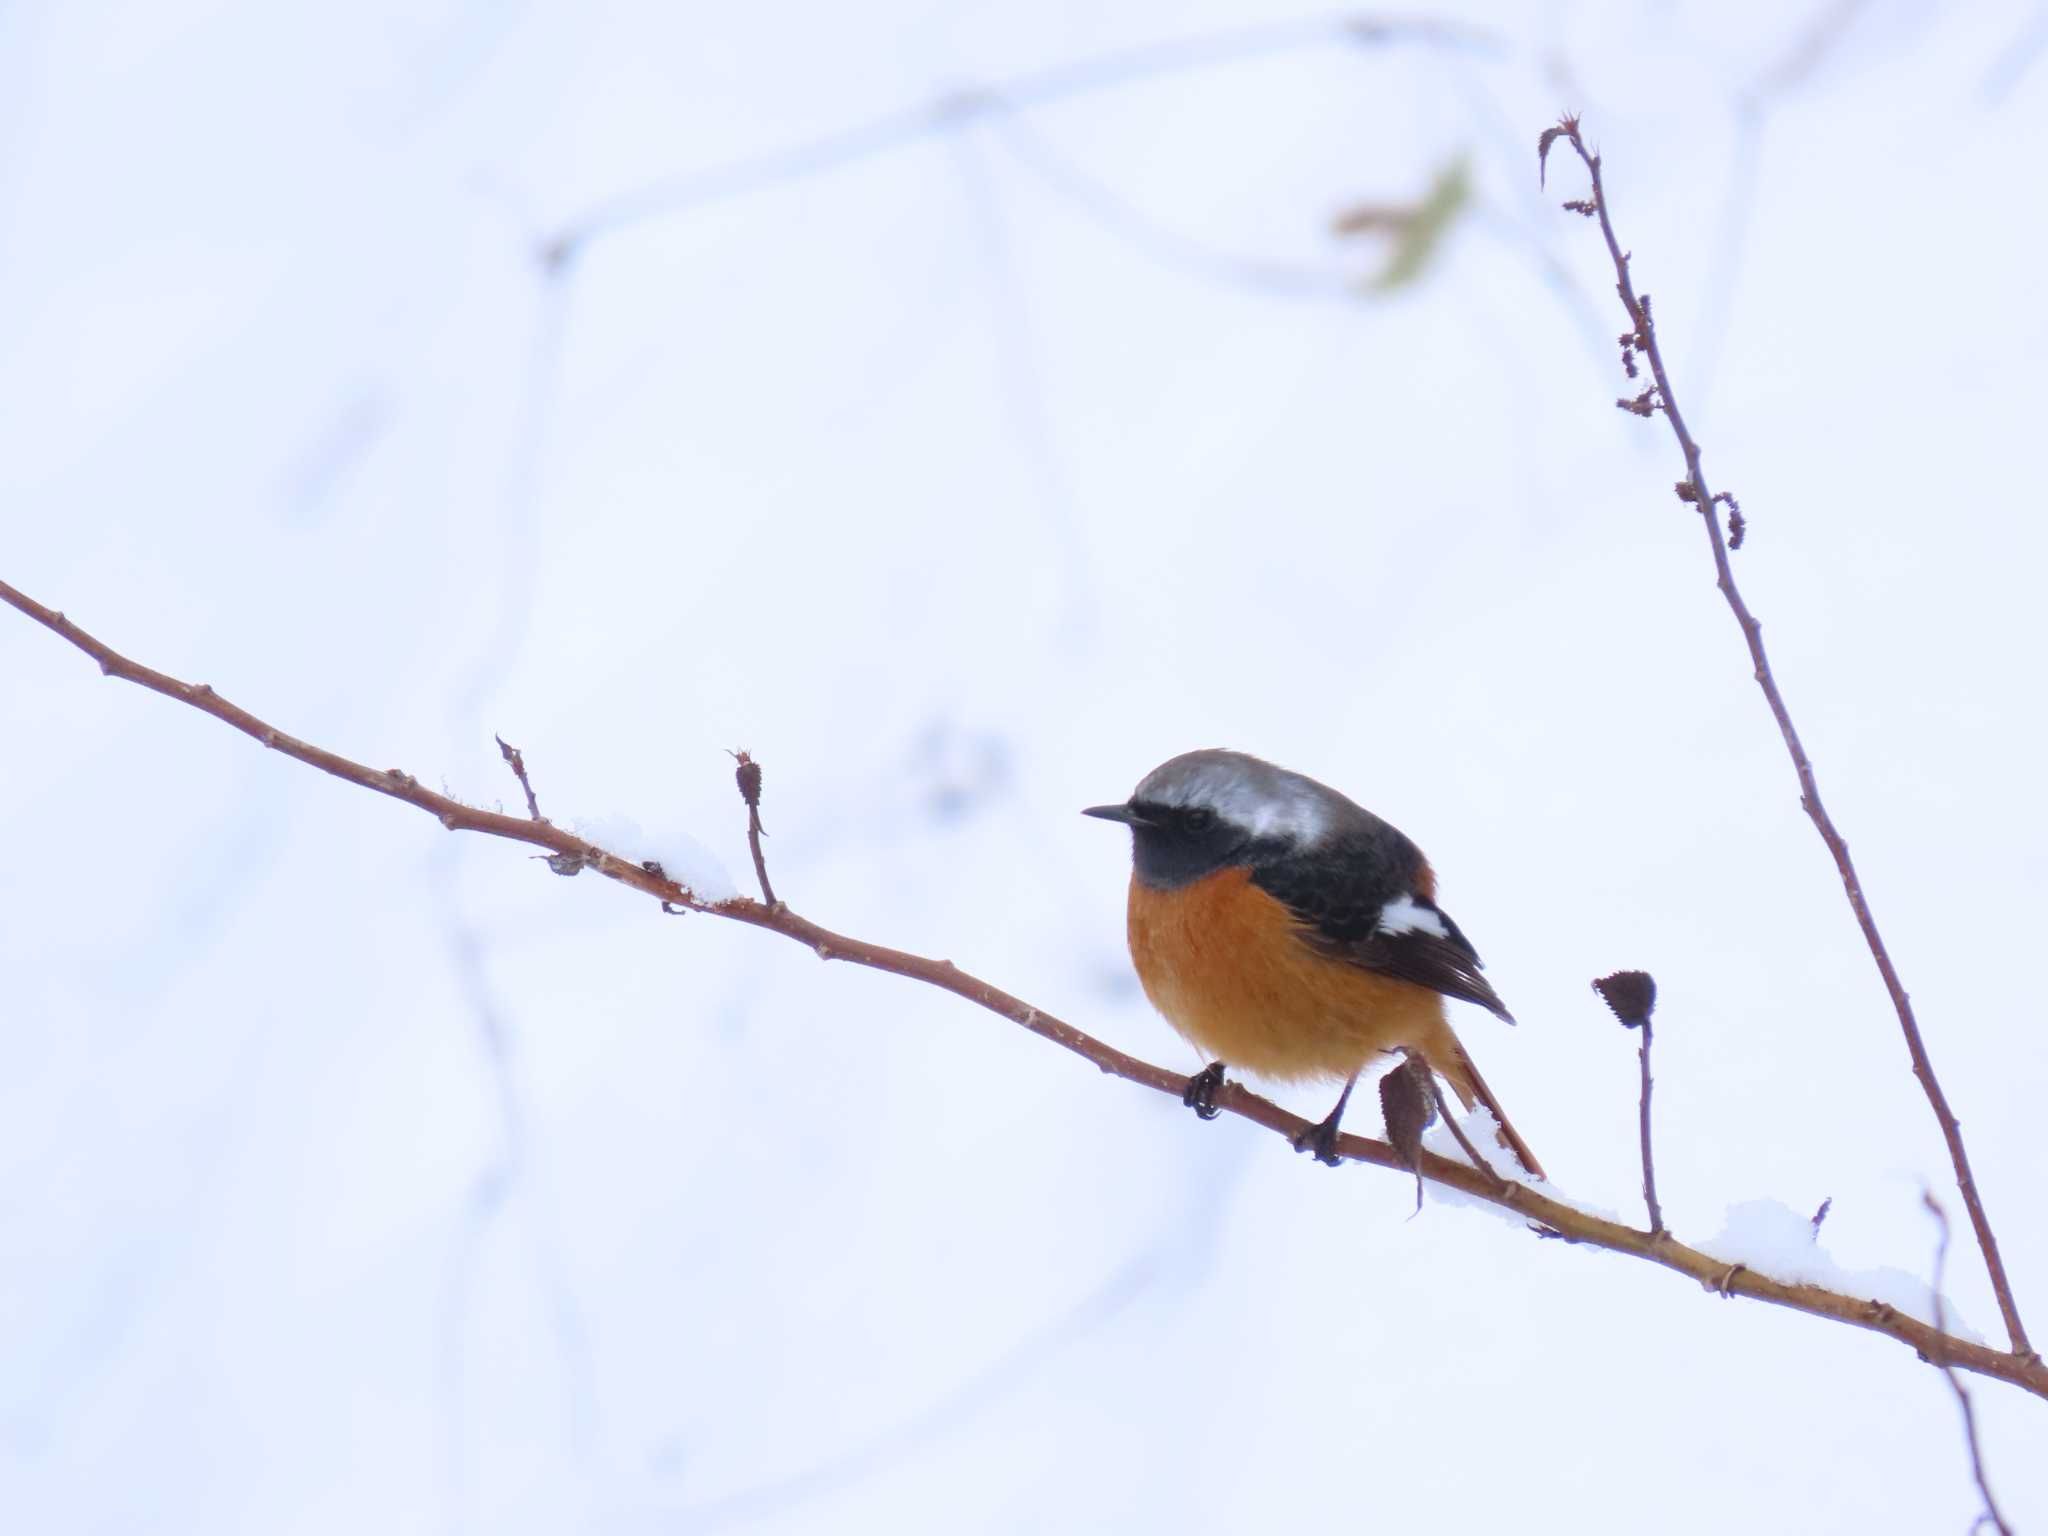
(1631, 994)
(1738, 525)
(1633, 997)
(1568, 124)
(748, 776)
(1644, 404)
(1405, 1105)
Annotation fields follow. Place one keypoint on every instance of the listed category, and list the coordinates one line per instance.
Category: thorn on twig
(517, 760)
(1405, 1106)
(1821, 1215)
(748, 776)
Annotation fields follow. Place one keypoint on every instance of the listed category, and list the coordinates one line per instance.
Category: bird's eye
(1200, 819)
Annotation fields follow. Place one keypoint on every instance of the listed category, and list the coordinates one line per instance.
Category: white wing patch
(1403, 915)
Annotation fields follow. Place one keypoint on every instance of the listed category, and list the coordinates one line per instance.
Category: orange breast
(1227, 965)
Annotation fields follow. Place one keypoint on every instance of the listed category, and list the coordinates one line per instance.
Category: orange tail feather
(1455, 1067)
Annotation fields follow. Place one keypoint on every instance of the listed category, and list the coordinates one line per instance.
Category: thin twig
(748, 776)
(1633, 997)
(1643, 338)
(969, 103)
(2025, 1371)
(517, 759)
(1991, 1511)
(1649, 1163)
(1500, 1181)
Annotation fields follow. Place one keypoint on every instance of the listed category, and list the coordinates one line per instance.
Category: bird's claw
(1320, 1139)
(1200, 1093)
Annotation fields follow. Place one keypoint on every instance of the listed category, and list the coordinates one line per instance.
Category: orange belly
(1227, 965)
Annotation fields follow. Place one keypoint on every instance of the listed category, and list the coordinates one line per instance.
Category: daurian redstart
(1286, 930)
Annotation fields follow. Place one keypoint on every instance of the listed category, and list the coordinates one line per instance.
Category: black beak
(1122, 813)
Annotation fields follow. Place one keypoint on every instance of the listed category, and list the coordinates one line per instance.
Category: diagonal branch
(1542, 1210)
(1642, 338)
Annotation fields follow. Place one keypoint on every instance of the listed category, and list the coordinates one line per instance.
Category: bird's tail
(1455, 1067)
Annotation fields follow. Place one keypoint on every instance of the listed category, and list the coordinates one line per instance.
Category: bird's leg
(1322, 1139)
(1200, 1093)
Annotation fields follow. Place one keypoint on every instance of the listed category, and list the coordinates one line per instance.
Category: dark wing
(1357, 900)
(1445, 964)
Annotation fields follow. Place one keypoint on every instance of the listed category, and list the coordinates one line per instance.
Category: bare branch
(1547, 1213)
(1643, 338)
(1991, 1514)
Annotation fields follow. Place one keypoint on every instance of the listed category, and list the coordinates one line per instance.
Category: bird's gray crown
(1263, 799)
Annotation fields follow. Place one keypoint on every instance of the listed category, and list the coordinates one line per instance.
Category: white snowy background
(963, 462)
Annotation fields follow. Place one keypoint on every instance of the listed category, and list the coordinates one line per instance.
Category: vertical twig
(1633, 997)
(748, 777)
(1991, 1513)
(1649, 1163)
(1642, 338)
(517, 760)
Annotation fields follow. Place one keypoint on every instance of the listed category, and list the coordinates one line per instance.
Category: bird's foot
(1321, 1139)
(1200, 1094)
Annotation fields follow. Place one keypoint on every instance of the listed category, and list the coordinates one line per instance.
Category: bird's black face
(1176, 845)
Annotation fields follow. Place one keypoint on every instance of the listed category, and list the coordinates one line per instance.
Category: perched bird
(1285, 930)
